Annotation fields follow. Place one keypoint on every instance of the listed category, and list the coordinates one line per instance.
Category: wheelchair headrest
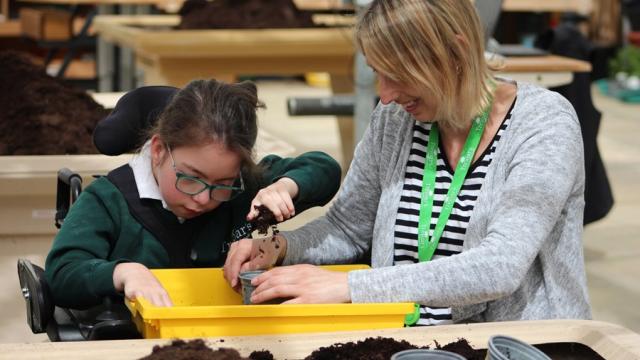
(125, 128)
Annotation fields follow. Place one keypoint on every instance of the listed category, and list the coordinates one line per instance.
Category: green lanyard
(427, 246)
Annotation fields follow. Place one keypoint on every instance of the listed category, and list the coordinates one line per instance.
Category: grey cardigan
(522, 256)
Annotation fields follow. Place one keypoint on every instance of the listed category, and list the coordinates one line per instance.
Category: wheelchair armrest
(109, 321)
(114, 322)
(82, 325)
(66, 176)
(36, 294)
(114, 330)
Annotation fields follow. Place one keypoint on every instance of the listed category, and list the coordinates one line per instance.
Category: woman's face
(212, 163)
(419, 105)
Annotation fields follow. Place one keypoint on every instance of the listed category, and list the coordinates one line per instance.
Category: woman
(467, 189)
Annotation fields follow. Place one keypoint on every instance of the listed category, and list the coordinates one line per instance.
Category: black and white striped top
(406, 227)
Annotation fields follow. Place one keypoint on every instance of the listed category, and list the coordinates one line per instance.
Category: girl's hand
(277, 197)
(253, 254)
(136, 280)
(302, 284)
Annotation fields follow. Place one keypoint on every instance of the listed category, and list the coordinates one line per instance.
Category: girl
(183, 199)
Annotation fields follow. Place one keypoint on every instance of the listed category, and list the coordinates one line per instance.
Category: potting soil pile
(198, 350)
(41, 115)
(379, 348)
(243, 14)
(382, 348)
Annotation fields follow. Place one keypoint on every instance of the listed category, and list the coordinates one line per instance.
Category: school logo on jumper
(243, 232)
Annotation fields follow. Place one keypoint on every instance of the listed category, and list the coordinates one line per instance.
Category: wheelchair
(109, 321)
(119, 133)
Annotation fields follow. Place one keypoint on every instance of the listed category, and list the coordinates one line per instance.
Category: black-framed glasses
(191, 185)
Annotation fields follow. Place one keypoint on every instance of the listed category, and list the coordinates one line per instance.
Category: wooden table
(610, 341)
(28, 188)
(175, 57)
(545, 71)
(581, 6)
(127, 75)
(106, 52)
(28, 182)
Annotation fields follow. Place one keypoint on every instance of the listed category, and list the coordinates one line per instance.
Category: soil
(264, 220)
(261, 355)
(243, 14)
(463, 348)
(198, 350)
(379, 348)
(41, 115)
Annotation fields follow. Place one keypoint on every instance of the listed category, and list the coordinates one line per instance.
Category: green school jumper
(99, 232)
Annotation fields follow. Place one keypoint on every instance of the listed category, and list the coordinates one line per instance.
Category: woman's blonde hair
(435, 46)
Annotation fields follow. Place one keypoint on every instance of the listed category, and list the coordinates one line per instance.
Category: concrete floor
(612, 246)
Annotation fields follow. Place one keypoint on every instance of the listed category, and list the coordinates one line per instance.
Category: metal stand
(80, 40)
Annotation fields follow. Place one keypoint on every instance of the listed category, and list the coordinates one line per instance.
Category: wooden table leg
(343, 84)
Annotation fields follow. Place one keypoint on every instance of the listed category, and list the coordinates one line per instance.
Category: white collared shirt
(143, 174)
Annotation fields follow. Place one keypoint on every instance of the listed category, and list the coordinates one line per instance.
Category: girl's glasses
(192, 185)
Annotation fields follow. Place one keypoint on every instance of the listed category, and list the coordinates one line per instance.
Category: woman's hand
(253, 254)
(136, 280)
(277, 197)
(302, 284)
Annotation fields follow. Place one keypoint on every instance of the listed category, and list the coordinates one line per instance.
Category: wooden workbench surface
(152, 36)
(549, 63)
(581, 6)
(36, 174)
(611, 341)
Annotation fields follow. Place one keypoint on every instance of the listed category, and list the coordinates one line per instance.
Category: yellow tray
(205, 306)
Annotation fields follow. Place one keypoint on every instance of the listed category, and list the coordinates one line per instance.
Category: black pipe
(339, 105)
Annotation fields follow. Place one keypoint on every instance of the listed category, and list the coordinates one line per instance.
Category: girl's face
(422, 107)
(212, 163)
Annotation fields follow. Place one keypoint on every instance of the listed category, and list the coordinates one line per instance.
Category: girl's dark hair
(210, 110)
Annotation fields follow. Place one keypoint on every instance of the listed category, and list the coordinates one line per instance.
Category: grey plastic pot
(247, 288)
(507, 348)
(426, 354)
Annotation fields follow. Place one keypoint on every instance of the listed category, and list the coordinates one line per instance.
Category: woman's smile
(411, 106)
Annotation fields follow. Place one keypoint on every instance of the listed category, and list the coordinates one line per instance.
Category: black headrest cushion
(125, 129)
